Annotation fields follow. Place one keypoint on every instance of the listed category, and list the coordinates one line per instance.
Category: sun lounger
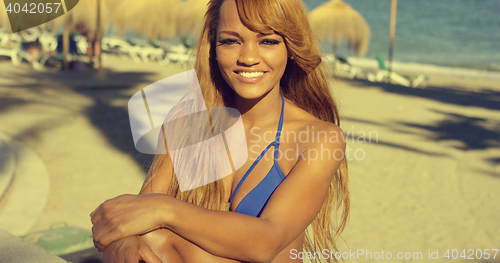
(10, 46)
(383, 75)
(52, 51)
(178, 57)
(13, 46)
(138, 52)
(120, 47)
(48, 42)
(12, 53)
(31, 34)
(4, 39)
(342, 67)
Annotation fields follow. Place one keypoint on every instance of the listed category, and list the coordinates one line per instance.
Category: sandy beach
(424, 163)
(431, 181)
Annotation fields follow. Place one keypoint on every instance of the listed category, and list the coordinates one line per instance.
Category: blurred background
(418, 84)
(446, 32)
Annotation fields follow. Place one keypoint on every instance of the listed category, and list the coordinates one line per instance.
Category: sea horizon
(452, 33)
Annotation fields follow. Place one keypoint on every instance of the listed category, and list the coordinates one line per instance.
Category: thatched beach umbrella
(154, 19)
(191, 17)
(85, 13)
(335, 21)
(4, 19)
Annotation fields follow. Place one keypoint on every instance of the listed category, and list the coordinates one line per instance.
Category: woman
(259, 57)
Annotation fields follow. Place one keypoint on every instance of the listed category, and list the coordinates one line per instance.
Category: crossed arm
(222, 233)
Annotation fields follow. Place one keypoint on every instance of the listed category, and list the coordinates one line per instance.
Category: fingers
(106, 206)
(129, 250)
(102, 242)
(130, 256)
(121, 254)
(121, 217)
(147, 255)
(115, 254)
(105, 233)
(97, 229)
(98, 232)
(105, 223)
(95, 216)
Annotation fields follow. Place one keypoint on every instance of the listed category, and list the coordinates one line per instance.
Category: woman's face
(252, 63)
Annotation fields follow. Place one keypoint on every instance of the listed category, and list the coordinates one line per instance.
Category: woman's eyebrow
(263, 34)
(260, 34)
(230, 33)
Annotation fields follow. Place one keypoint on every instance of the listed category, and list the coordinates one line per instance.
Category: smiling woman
(246, 57)
(259, 57)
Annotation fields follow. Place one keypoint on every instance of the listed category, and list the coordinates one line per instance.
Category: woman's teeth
(250, 74)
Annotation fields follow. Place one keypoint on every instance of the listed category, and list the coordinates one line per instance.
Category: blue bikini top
(255, 201)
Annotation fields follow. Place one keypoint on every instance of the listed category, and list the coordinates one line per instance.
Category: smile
(250, 75)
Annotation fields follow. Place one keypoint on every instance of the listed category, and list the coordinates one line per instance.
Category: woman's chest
(267, 165)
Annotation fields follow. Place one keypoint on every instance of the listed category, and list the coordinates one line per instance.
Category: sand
(431, 181)
(424, 163)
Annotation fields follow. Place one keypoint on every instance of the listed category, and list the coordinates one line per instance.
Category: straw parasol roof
(4, 19)
(154, 19)
(191, 17)
(85, 12)
(335, 21)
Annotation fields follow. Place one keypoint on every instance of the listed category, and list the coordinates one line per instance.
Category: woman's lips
(250, 80)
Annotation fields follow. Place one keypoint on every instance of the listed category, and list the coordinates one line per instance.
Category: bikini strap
(276, 144)
(248, 172)
(278, 133)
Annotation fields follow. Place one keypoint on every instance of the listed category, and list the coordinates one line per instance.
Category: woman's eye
(270, 42)
(228, 41)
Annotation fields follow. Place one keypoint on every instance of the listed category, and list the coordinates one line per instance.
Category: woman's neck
(260, 111)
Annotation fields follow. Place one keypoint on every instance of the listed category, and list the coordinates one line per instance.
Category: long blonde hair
(304, 83)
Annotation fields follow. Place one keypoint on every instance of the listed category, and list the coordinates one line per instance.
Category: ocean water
(458, 33)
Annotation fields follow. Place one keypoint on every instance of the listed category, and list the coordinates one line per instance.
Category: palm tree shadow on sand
(104, 90)
(472, 133)
(113, 121)
(483, 98)
(400, 146)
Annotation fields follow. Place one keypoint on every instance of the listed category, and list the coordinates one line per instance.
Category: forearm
(225, 234)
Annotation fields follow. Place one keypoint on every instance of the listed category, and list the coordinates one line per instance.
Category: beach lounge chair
(342, 64)
(19, 47)
(137, 50)
(48, 42)
(342, 67)
(383, 75)
(10, 46)
(179, 54)
(119, 47)
(52, 51)
(13, 53)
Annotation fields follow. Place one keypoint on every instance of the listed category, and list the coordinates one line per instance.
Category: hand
(129, 250)
(126, 215)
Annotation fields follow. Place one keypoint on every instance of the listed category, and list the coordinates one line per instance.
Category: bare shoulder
(313, 132)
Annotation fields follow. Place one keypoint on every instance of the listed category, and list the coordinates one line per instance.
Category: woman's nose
(249, 55)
